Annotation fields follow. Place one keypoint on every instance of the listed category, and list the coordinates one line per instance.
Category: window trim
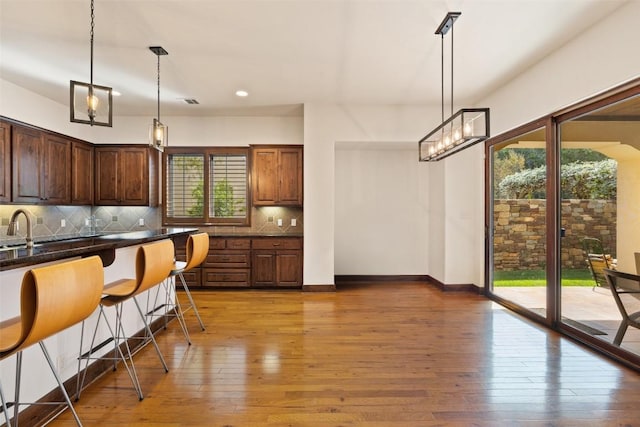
(206, 219)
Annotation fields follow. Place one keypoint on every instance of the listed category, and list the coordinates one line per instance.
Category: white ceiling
(283, 52)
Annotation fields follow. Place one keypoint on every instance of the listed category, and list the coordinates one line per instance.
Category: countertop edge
(86, 247)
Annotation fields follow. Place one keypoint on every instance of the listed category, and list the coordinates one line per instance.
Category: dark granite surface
(104, 245)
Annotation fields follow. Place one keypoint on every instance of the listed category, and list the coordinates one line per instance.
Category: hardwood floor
(401, 354)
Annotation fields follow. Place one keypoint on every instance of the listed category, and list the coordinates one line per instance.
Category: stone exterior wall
(519, 235)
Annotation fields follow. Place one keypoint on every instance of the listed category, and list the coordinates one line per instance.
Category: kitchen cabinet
(41, 167)
(81, 173)
(277, 175)
(277, 261)
(228, 263)
(5, 162)
(126, 175)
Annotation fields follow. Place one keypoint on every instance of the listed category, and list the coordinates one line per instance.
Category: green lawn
(537, 278)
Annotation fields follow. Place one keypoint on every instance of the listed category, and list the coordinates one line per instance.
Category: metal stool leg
(118, 354)
(192, 304)
(5, 410)
(151, 337)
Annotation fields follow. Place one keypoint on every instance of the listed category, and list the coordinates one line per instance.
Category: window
(221, 199)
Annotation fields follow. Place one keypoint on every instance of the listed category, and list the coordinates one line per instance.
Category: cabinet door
(81, 173)
(5, 162)
(27, 156)
(106, 175)
(56, 168)
(290, 179)
(289, 268)
(263, 268)
(134, 176)
(265, 176)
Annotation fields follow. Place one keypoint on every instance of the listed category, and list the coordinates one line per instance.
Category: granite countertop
(103, 244)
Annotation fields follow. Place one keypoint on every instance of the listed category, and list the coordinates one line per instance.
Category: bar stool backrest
(197, 250)
(58, 296)
(154, 262)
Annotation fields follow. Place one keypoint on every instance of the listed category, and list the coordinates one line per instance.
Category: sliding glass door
(600, 199)
(518, 220)
(563, 207)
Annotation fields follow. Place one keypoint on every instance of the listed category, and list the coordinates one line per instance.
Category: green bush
(579, 180)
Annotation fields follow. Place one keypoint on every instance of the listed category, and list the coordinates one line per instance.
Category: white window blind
(185, 186)
(228, 186)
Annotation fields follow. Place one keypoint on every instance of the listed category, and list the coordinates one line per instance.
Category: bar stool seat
(153, 265)
(52, 299)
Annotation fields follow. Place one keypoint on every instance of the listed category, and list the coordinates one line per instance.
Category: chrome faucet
(13, 226)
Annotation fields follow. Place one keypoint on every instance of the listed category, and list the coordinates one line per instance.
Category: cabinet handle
(276, 244)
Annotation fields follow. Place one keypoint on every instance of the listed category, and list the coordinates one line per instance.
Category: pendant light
(461, 130)
(158, 133)
(91, 104)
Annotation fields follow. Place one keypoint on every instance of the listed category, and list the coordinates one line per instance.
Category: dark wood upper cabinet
(126, 176)
(41, 167)
(277, 175)
(27, 156)
(56, 169)
(81, 173)
(5, 162)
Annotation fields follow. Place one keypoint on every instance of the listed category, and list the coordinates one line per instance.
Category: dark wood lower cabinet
(242, 262)
(281, 268)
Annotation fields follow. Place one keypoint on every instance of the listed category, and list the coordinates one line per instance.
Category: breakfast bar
(117, 252)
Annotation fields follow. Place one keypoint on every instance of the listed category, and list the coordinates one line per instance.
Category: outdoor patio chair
(625, 288)
(596, 260)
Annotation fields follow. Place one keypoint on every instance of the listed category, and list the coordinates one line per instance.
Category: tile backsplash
(71, 221)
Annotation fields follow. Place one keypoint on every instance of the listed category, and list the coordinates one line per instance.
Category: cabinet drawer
(228, 259)
(219, 243)
(239, 277)
(277, 243)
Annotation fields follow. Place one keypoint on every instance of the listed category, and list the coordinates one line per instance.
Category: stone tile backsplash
(83, 220)
(70, 221)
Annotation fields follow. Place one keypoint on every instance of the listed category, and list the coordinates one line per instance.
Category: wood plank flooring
(394, 354)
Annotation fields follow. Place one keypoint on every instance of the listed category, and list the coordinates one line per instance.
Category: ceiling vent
(191, 101)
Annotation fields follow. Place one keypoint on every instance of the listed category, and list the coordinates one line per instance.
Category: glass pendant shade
(465, 128)
(158, 135)
(91, 104)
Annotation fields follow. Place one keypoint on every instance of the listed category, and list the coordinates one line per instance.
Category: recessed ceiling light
(242, 93)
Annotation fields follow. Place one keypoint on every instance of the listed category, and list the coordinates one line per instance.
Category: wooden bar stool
(153, 265)
(52, 299)
(197, 250)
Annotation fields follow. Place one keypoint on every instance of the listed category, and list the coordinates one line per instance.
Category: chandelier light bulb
(92, 105)
(456, 135)
(468, 129)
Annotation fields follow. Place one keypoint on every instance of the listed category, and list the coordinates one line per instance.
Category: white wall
(20, 104)
(326, 125)
(380, 210)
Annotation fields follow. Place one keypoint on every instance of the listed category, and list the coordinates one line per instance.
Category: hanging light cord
(158, 88)
(91, 43)
(442, 76)
(452, 68)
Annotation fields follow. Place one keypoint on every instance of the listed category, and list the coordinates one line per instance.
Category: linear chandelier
(91, 104)
(461, 130)
(158, 133)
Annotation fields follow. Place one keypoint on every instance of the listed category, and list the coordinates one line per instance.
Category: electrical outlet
(279, 222)
(141, 222)
(63, 223)
(294, 222)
